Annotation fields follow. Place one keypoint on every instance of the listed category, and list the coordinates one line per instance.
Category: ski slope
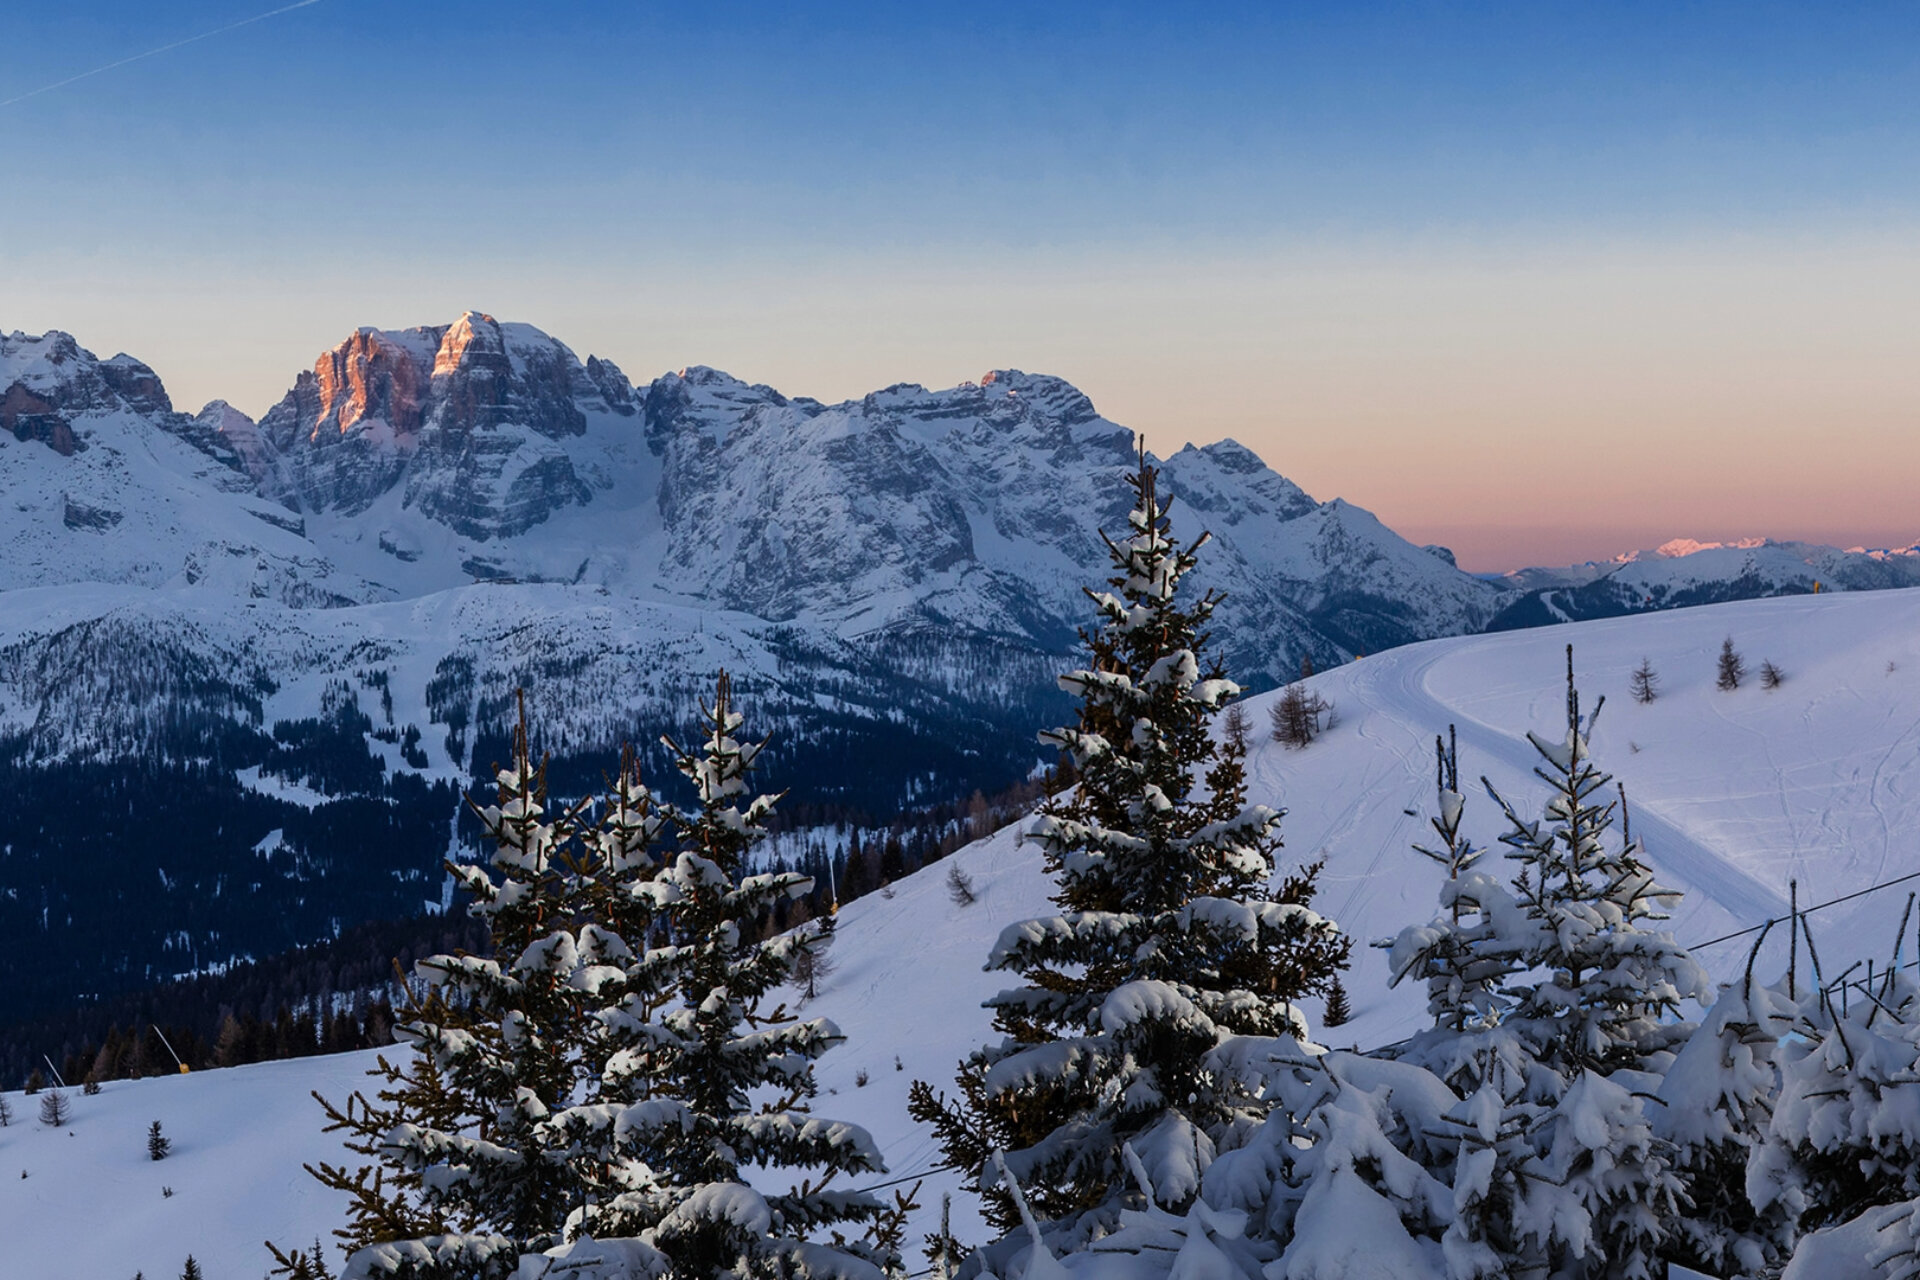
(1735, 793)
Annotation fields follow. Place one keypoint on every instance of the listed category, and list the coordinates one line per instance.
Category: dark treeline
(337, 995)
(120, 876)
(875, 854)
(325, 998)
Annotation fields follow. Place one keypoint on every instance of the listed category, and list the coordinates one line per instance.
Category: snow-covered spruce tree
(1845, 1134)
(701, 1085)
(1603, 1206)
(1602, 990)
(1715, 1105)
(1541, 991)
(1465, 955)
(1169, 941)
(471, 1174)
(1346, 1175)
(1595, 993)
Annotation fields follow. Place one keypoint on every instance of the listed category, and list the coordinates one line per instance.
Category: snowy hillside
(1735, 793)
(333, 607)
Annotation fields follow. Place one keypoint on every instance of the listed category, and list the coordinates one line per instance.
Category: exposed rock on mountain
(322, 618)
(467, 415)
(47, 382)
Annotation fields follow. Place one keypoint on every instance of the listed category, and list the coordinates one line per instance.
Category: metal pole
(1793, 947)
(163, 1040)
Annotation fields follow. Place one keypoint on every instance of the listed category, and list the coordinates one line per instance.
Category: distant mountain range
(329, 609)
(1684, 572)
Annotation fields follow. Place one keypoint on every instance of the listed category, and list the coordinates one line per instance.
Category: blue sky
(1267, 221)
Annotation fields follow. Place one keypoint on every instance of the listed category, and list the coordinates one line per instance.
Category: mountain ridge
(317, 622)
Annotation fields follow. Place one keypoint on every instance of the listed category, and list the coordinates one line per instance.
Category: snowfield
(1735, 793)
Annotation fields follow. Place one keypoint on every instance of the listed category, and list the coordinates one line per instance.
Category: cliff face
(49, 382)
(409, 461)
(462, 419)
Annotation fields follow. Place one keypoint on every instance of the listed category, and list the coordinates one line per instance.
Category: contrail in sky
(165, 48)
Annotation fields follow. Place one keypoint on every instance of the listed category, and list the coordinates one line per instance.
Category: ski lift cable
(1845, 897)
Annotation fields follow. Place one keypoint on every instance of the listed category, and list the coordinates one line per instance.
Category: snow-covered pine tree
(1489, 1134)
(1845, 1133)
(1602, 1206)
(1464, 955)
(1715, 1104)
(1170, 940)
(1594, 994)
(1346, 1175)
(471, 1174)
(1610, 986)
(703, 1083)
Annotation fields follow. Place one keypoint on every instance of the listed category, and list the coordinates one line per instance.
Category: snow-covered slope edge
(1735, 793)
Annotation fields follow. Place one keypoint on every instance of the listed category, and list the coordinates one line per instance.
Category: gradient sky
(1543, 282)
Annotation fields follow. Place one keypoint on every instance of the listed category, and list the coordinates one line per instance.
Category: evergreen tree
(1339, 1010)
(1494, 1167)
(1645, 682)
(158, 1144)
(504, 1028)
(1715, 1107)
(1844, 1138)
(1732, 668)
(192, 1270)
(471, 1173)
(682, 1108)
(1609, 985)
(1605, 1195)
(1169, 941)
(1771, 675)
(1462, 955)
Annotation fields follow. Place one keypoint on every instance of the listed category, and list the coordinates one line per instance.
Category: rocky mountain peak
(1057, 398)
(49, 382)
(138, 386)
(236, 432)
(463, 419)
(472, 341)
(705, 402)
(369, 379)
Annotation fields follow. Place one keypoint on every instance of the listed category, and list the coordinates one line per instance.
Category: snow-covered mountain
(1684, 572)
(296, 616)
(1735, 794)
(335, 604)
(407, 462)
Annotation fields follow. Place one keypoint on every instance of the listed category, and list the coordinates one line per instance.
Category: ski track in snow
(1694, 864)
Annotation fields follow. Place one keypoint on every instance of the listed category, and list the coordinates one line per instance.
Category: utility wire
(1845, 897)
